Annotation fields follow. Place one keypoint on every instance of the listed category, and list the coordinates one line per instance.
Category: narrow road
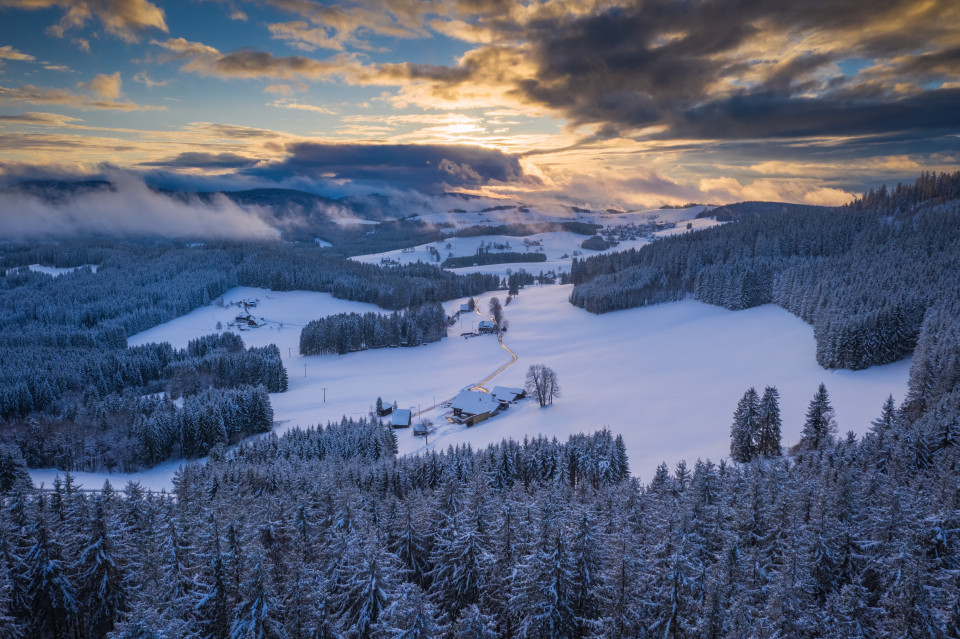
(479, 386)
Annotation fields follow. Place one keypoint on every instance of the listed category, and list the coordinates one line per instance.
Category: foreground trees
(328, 533)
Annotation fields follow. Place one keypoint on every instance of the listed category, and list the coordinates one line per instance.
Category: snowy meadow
(666, 377)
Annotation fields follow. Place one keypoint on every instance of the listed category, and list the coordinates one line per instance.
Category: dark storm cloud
(428, 168)
(199, 160)
(705, 69)
(771, 116)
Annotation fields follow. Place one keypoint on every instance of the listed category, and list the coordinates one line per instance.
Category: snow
(56, 272)
(285, 314)
(554, 245)
(666, 377)
(474, 215)
(158, 478)
(558, 247)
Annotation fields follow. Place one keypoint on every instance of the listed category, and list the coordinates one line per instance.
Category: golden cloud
(122, 18)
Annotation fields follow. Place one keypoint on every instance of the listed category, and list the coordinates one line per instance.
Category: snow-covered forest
(70, 388)
(875, 278)
(324, 533)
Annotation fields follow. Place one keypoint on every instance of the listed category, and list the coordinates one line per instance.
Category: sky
(591, 102)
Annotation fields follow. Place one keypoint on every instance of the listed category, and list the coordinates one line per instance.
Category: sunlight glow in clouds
(612, 102)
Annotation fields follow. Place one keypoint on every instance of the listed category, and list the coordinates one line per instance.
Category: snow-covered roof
(465, 308)
(485, 324)
(506, 393)
(475, 402)
(401, 417)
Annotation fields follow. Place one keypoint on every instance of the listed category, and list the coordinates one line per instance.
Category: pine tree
(819, 426)
(214, 610)
(768, 438)
(53, 602)
(459, 561)
(100, 577)
(257, 616)
(364, 594)
(744, 431)
(473, 624)
(587, 597)
(409, 616)
(543, 598)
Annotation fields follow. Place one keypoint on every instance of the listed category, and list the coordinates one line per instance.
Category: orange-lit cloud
(122, 18)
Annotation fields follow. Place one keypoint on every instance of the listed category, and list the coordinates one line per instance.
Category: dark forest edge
(348, 332)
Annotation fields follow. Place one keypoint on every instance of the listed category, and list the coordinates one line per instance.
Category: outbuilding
(507, 395)
(401, 418)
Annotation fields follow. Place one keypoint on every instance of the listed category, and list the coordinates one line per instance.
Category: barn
(472, 407)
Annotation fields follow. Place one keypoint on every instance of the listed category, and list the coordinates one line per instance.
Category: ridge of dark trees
(484, 257)
(876, 279)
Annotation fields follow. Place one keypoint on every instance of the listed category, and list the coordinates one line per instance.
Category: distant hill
(754, 210)
(57, 191)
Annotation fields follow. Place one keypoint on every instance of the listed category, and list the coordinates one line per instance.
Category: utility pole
(289, 351)
(324, 394)
(304, 370)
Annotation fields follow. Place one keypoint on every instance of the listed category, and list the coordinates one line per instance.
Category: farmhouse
(401, 418)
(486, 326)
(472, 407)
(507, 395)
(464, 308)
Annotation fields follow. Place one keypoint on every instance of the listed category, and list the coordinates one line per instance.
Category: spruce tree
(820, 425)
(745, 427)
(768, 439)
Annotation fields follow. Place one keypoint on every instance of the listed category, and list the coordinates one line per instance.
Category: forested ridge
(326, 533)
(876, 278)
(68, 381)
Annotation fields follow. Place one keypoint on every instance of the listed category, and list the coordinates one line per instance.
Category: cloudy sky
(602, 102)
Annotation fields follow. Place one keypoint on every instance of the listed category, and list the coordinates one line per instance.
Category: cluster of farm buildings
(469, 407)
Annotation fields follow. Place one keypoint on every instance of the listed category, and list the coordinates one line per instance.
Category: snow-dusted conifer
(745, 427)
(819, 426)
(768, 436)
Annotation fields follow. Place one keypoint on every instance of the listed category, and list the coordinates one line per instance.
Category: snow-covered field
(667, 377)
(559, 247)
(55, 271)
(285, 313)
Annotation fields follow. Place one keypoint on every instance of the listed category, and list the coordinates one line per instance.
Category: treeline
(348, 332)
(101, 428)
(523, 230)
(930, 186)
(207, 419)
(484, 257)
(222, 362)
(864, 278)
(326, 533)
